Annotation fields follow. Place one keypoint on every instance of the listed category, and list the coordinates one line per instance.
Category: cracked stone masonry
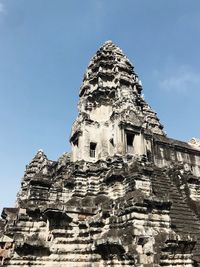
(126, 195)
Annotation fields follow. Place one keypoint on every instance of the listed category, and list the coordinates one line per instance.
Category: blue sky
(45, 47)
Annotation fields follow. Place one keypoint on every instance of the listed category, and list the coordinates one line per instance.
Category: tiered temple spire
(111, 94)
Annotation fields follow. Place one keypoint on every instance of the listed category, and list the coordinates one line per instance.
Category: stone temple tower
(112, 112)
(127, 195)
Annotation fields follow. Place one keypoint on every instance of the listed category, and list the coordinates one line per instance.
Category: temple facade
(126, 194)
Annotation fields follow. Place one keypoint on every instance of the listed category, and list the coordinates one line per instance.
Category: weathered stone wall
(100, 214)
(168, 150)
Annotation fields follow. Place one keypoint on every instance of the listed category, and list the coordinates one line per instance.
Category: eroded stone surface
(127, 195)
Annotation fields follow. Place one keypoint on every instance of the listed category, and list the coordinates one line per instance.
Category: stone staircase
(183, 220)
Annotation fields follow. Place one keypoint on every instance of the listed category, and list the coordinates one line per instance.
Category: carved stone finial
(109, 42)
(195, 142)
